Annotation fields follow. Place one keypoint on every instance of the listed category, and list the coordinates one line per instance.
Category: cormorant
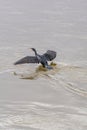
(43, 59)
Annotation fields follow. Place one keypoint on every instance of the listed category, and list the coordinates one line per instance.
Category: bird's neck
(35, 52)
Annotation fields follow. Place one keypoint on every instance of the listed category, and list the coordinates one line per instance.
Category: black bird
(43, 59)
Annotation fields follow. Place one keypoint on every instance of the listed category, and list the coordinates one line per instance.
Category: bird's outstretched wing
(27, 59)
(50, 55)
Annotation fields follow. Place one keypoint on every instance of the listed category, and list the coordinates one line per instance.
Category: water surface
(31, 98)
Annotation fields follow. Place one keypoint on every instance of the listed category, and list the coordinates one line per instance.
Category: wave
(42, 116)
(72, 78)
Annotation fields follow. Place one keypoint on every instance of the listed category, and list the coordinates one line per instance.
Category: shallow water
(32, 98)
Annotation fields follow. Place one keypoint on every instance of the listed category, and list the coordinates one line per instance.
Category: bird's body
(43, 59)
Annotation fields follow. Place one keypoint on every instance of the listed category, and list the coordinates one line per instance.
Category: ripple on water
(42, 116)
(73, 78)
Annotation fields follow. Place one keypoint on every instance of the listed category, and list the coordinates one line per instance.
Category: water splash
(39, 72)
(69, 77)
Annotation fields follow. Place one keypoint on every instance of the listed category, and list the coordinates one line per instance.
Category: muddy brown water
(32, 98)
